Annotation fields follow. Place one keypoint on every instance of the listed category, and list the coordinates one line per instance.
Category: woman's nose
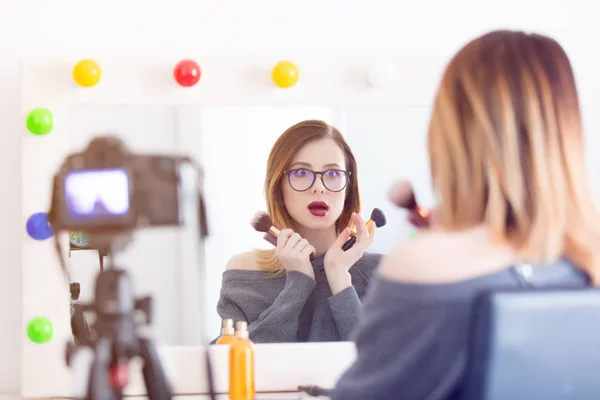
(318, 186)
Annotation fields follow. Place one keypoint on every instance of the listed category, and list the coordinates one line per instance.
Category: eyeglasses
(302, 179)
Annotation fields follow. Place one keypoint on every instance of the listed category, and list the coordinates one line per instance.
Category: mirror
(232, 144)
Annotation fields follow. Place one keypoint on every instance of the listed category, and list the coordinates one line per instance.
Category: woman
(312, 195)
(506, 157)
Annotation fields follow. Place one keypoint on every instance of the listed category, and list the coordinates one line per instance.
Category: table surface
(259, 396)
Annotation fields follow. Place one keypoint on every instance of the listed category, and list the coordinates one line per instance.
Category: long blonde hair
(506, 149)
(281, 157)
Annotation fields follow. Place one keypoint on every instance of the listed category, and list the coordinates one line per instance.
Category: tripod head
(113, 294)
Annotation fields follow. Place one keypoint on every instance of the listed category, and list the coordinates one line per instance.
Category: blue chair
(534, 344)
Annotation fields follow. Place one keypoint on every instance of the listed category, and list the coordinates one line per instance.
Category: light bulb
(382, 75)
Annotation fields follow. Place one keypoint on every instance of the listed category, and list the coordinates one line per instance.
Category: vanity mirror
(233, 144)
(228, 123)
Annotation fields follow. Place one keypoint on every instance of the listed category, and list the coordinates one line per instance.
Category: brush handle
(270, 238)
(419, 218)
(349, 243)
(315, 391)
(273, 240)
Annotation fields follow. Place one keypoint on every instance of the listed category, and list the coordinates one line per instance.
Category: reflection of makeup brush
(377, 217)
(402, 194)
(263, 223)
(315, 391)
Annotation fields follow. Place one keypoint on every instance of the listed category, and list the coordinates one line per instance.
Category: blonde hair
(506, 149)
(281, 157)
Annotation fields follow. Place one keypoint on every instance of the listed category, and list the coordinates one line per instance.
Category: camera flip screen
(97, 194)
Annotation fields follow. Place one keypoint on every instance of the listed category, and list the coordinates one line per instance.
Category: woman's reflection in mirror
(312, 195)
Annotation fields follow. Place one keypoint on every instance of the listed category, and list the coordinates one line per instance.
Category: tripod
(176, 184)
(79, 324)
(115, 340)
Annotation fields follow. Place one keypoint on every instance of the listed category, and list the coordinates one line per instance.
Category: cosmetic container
(241, 365)
(227, 333)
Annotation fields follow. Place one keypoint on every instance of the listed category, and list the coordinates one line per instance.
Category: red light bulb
(187, 73)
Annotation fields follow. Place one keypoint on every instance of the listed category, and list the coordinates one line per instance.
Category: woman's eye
(301, 172)
(332, 174)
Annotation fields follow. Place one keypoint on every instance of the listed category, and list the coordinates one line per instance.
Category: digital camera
(108, 190)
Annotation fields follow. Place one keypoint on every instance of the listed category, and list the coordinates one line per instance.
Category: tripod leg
(99, 384)
(79, 326)
(157, 385)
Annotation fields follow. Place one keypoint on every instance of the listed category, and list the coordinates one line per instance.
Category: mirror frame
(326, 78)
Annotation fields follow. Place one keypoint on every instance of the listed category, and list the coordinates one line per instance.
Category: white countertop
(259, 396)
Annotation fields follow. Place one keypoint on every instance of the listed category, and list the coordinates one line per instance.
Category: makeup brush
(402, 194)
(315, 391)
(377, 217)
(263, 223)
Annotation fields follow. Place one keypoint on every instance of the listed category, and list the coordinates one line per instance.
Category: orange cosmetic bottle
(241, 365)
(227, 333)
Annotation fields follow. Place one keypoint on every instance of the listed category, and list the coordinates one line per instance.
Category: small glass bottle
(241, 365)
(227, 333)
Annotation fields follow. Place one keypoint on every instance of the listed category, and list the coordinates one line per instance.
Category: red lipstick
(318, 208)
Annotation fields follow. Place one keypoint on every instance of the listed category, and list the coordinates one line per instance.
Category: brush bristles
(378, 217)
(402, 195)
(261, 222)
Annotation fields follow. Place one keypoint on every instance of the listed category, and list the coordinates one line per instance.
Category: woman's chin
(317, 223)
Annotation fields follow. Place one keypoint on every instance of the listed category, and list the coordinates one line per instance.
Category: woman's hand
(293, 252)
(338, 262)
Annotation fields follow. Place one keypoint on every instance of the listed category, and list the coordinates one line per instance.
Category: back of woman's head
(506, 148)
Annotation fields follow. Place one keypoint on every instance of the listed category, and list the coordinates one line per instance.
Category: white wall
(389, 144)
(175, 27)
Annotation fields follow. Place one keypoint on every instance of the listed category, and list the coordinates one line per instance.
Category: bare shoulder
(244, 261)
(414, 261)
(444, 257)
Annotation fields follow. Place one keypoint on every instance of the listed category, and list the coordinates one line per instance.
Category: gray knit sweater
(293, 307)
(412, 341)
